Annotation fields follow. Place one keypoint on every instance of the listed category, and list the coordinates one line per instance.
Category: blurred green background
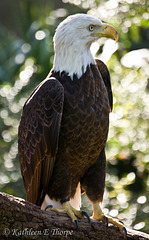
(26, 55)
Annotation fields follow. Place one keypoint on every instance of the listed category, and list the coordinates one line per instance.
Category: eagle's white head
(72, 41)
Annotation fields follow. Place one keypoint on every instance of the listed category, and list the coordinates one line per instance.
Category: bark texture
(20, 219)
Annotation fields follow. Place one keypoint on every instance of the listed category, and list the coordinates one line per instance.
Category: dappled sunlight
(131, 177)
(3, 179)
(121, 197)
(24, 77)
(19, 59)
(137, 59)
(142, 199)
(26, 47)
(139, 226)
(4, 113)
(109, 48)
(40, 35)
(6, 136)
(113, 213)
(130, 109)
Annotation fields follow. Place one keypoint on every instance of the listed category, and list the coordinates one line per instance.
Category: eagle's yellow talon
(99, 215)
(70, 211)
(118, 224)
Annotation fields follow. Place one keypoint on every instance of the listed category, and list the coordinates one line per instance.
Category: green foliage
(26, 60)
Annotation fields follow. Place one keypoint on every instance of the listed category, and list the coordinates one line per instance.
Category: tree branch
(20, 219)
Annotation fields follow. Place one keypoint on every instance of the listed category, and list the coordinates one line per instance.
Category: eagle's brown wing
(106, 78)
(38, 137)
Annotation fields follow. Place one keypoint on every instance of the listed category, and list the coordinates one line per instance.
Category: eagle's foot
(99, 215)
(70, 211)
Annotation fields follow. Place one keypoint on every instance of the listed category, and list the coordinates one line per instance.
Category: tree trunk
(20, 219)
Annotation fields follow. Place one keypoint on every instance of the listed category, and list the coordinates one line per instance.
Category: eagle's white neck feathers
(74, 62)
(72, 43)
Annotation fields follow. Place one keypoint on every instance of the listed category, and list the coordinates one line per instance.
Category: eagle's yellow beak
(107, 31)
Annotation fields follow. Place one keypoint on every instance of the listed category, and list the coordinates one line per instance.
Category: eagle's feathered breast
(84, 126)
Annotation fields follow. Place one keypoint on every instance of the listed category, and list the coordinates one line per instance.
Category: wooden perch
(20, 219)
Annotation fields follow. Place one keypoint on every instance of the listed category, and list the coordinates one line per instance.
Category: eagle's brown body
(65, 121)
(62, 135)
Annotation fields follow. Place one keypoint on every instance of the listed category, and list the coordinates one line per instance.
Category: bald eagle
(64, 124)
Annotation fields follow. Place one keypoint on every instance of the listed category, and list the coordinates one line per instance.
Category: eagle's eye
(91, 28)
